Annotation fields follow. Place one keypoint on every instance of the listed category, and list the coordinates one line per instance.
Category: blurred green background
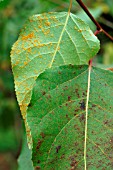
(13, 14)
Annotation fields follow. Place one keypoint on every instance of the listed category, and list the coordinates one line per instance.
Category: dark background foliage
(13, 14)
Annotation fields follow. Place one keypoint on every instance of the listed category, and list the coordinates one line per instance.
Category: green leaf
(95, 12)
(24, 160)
(48, 40)
(71, 104)
(3, 3)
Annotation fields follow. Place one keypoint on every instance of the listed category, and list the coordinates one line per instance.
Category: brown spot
(77, 92)
(82, 117)
(38, 161)
(65, 88)
(93, 105)
(59, 72)
(69, 98)
(111, 140)
(37, 167)
(73, 162)
(106, 122)
(42, 134)
(82, 105)
(43, 93)
(111, 69)
(39, 144)
(76, 110)
(62, 156)
(58, 148)
(49, 96)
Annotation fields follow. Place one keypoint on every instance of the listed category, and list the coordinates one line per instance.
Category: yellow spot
(41, 45)
(40, 26)
(40, 56)
(79, 30)
(29, 50)
(47, 32)
(52, 35)
(35, 40)
(25, 63)
(31, 35)
(47, 23)
(30, 20)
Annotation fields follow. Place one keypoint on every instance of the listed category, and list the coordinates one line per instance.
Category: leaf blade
(58, 131)
(47, 38)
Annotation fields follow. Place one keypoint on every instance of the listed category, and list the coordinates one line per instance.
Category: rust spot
(47, 23)
(30, 20)
(79, 30)
(39, 26)
(25, 63)
(31, 35)
(58, 148)
(29, 50)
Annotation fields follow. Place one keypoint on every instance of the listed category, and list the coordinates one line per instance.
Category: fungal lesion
(25, 37)
(82, 105)
(58, 148)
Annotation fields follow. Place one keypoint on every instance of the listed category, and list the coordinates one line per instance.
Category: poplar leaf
(57, 118)
(47, 40)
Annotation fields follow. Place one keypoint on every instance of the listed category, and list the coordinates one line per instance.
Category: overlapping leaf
(56, 116)
(48, 40)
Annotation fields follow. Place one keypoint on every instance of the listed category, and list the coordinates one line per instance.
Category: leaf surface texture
(57, 114)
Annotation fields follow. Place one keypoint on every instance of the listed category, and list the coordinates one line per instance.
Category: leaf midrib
(60, 38)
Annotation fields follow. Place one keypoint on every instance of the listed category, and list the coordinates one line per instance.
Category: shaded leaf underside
(56, 116)
(48, 40)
